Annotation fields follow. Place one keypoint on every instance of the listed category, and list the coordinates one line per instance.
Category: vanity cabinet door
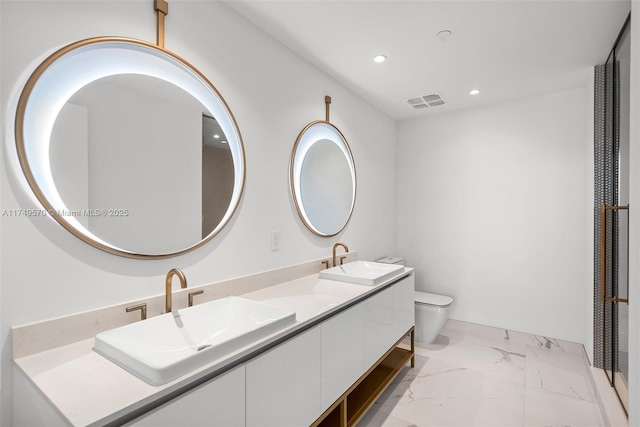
(283, 384)
(217, 403)
(403, 305)
(379, 334)
(388, 315)
(342, 352)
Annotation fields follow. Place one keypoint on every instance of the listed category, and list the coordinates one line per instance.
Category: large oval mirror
(323, 179)
(130, 148)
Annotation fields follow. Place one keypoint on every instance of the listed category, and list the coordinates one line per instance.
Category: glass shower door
(615, 297)
(614, 215)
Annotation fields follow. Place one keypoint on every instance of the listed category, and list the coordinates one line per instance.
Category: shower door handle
(603, 252)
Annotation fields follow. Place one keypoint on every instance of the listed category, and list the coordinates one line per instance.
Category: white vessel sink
(362, 272)
(166, 347)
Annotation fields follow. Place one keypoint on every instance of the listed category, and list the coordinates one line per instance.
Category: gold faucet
(346, 249)
(167, 289)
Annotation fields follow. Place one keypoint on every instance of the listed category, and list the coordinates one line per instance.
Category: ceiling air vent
(426, 101)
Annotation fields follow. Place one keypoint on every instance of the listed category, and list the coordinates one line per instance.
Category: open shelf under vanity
(349, 408)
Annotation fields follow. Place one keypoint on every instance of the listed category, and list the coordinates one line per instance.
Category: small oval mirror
(323, 179)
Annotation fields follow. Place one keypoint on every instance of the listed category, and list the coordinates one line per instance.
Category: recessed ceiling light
(223, 142)
(379, 58)
(216, 136)
(474, 92)
(443, 35)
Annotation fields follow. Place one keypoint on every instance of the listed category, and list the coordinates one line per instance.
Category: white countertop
(88, 389)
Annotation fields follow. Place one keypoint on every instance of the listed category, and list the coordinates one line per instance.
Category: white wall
(491, 210)
(47, 272)
(589, 184)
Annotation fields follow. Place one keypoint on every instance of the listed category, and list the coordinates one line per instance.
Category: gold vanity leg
(413, 349)
(343, 413)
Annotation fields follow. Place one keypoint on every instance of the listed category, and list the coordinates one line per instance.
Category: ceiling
(506, 48)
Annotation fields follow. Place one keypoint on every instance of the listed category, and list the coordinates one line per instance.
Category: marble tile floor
(475, 375)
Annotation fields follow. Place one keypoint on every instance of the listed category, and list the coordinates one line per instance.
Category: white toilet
(431, 310)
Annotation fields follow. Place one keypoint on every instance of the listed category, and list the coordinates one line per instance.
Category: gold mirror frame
(156, 54)
(293, 166)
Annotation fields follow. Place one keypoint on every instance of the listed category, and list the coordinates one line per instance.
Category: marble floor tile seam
(559, 394)
(564, 374)
(545, 409)
(570, 392)
(570, 361)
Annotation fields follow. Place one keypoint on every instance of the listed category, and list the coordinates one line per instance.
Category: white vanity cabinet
(332, 373)
(283, 384)
(403, 306)
(294, 383)
(342, 361)
(388, 315)
(374, 328)
(326, 372)
(217, 403)
(378, 326)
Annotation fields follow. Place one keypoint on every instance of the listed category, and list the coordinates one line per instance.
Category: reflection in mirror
(327, 200)
(217, 175)
(323, 181)
(149, 158)
(129, 147)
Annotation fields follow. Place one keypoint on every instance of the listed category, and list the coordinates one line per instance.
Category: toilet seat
(434, 300)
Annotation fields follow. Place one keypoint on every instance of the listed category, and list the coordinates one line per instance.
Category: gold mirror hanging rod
(162, 9)
(327, 101)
